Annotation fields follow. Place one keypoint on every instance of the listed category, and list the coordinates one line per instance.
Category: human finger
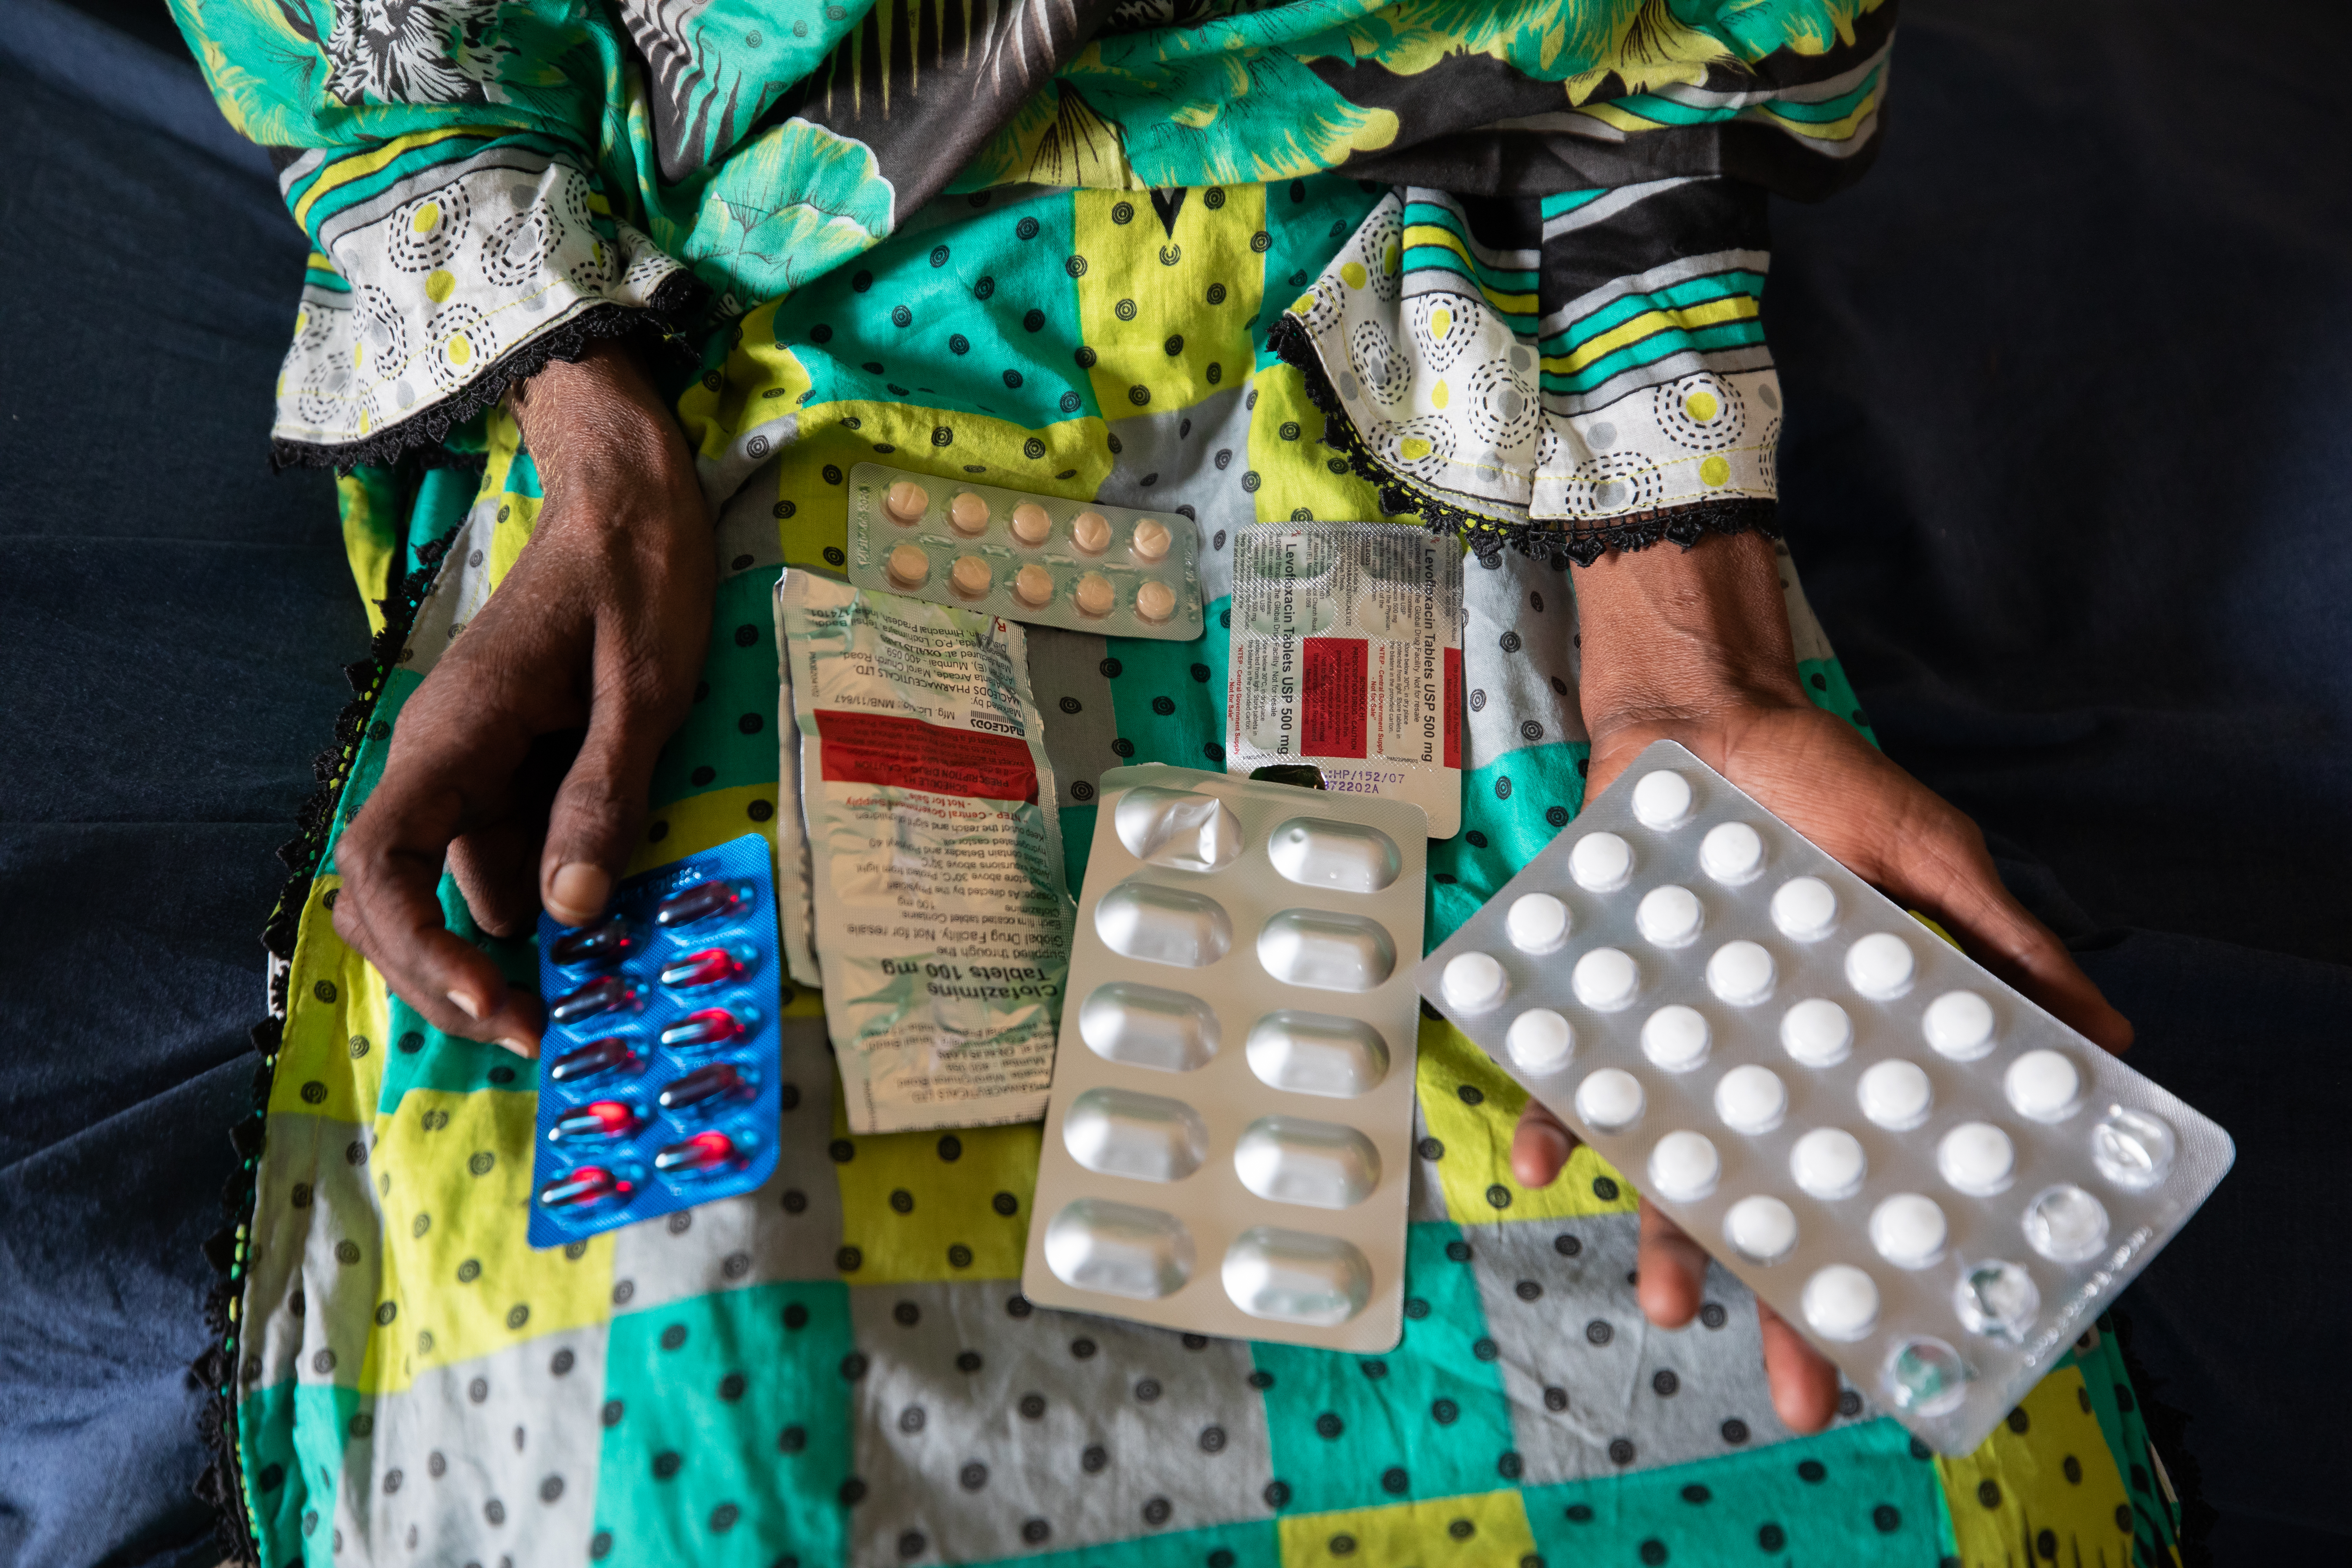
(1671, 1270)
(600, 808)
(1540, 1146)
(1804, 1385)
(496, 865)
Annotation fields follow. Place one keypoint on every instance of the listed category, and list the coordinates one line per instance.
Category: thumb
(599, 810)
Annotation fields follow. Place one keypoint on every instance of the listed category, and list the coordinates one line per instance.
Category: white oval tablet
(906, 502)
(1605, 980)
(1732, 853)
(1841, 1303)
(1537, 923)
(1977, 1158)
(1149, 541)
(1032, 586)
(2132, 1148)
(1895, 1094)
(1662, 799)
(1090, 531)
(1908, 1230)
(1880, 966)
(1155, 602)
(1762, 1229)
(907, 565)
(967, 515)
(1684, 1167)
(2066, 1224)
(1031, 525)
(1829, 1163)
(1540, 1040)
(1609, 1100)
(1751, 1099)
(2043, 1086)
(1095, 596)
(1600, 862)
(1816, 1033)
(1669, 916)
(971, 577)
(1959, 1025)
(1471, 982)
(1675, 1037)
(1804, 909)
(1740, 973)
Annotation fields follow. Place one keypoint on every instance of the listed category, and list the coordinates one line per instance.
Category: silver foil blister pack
(1229, 1141)
(1040, 558)
(1936, 1180)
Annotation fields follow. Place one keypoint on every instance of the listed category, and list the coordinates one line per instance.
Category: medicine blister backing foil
(1882, 1139)
(1229, 1142)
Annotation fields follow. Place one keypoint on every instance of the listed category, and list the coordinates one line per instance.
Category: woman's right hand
(525, 759)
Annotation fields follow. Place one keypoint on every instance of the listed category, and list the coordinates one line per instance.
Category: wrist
(1685, 636)
(597, 423)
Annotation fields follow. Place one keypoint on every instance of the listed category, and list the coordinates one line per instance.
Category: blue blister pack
(658, 1076)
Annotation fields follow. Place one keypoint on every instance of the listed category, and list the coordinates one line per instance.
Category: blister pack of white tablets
(1039, 559)
(1936, 1180)
(1229, 1141)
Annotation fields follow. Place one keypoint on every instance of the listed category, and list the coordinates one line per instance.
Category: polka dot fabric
(839, 1367)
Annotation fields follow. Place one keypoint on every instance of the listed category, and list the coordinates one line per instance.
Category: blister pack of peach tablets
(1936, 1181)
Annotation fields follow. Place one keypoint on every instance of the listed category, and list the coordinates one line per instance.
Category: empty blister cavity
(1472, 982)
(1841, 1303)
(1164, 925)
(1180, 829)
(1118, 1249)
(1537, 923)
(1540, 1041)
(1762, 1229)
(2066, 1224)
(1609, 1101)
(1662, 799)
(2132, 1148)
(1977, 1158)
(1804, 909)
(1740, 973)
(1151, 1138)
(1909, 1230)
(1959, 1025)
(1896, 1094)
(1315, 1053)
(1327, 952)
(1669, 916)
(1829, 1163)
(1880, 966)
(1320, 1164)
(1290, 1277)
(1675, 1037)
(1732, 853)
(2043, 1086)
(1605, 980)
(1817, 1032)
(1346, 857)
(1684, 1166)
(1998, 1300)
(1600, 862)
(1145, 1027)
(1751, 1099)
(1926, 1377)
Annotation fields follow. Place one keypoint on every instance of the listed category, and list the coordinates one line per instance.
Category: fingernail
(466, 1004)
(519, 1047)
(578, 892)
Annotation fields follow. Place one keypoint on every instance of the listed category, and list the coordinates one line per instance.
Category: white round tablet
(1740, 973)
(1669, 916)
(1760, 1229)
(1031, 524)
(1879, 966)
(1841, 1303)
(2043, 1086)
(1471, 982)
(1908, 1230)
(2066, 1224)
(1683, 1166)
(1751, 1099)
(1540, 1040)
(1537, 923)
(1675, 1037)
(1896, 1094)
(1959, 1025)
(1732, 853)
(2132, 1148)
(1609, 1100)
(1605, 980)
(1662, 799)
(1828, 1162)
(1600, 862)
(1804, 909)
(1977, 1158)
(1816, 1033)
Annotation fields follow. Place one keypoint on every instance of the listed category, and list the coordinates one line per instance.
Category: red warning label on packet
(1347, 654)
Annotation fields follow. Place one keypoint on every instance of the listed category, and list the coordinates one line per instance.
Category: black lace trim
(424, 431)
(1401, 496)
(217, 1371)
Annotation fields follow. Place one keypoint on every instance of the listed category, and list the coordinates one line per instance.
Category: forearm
(1675, 636)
